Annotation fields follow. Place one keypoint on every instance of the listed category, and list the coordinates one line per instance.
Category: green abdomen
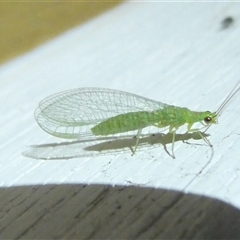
(125, 122)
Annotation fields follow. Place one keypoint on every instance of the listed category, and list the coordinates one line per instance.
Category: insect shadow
(106, 145)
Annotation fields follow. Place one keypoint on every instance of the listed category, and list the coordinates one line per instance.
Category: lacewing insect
(89, 113)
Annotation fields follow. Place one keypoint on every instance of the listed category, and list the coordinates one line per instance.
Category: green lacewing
(89, 113)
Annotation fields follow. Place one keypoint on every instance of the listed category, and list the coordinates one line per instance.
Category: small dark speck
(119, 207)
(227, 22)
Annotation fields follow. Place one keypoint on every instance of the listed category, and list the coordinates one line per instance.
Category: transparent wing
(72, 113)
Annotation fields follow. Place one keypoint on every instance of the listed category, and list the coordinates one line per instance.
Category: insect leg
(200, 134)
(173, 138)
(205, 139)
(137, 140)
(159, 125)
